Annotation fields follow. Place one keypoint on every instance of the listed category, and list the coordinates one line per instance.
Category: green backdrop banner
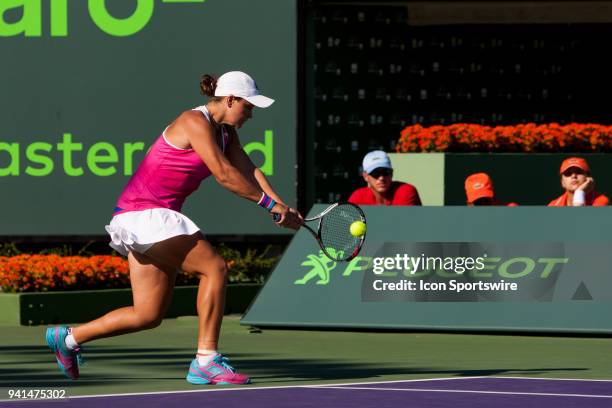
(454, 268)
(88, 85)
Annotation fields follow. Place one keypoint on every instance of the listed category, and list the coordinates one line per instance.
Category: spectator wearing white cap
(381, 189)
(149, 229)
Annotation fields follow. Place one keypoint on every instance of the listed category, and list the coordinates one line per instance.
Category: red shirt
(504, 204)
(401, 193)
(593, 198)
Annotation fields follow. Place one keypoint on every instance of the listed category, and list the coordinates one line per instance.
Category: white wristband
(263, 195)
(579, 197)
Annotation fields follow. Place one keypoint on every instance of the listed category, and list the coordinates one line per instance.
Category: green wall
(424, 171)
(562, 273)
(41, 308)
(527, 179)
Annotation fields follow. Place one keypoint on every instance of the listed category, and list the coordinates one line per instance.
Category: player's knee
(148, 320)
(221, 267)
(218, 268)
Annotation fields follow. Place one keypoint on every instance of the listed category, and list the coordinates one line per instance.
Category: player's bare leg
(152, 286)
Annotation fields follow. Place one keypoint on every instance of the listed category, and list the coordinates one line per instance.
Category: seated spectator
(479, 191)
(579, 186)
(381, 189)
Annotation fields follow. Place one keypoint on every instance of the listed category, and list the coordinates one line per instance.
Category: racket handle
(276, 217)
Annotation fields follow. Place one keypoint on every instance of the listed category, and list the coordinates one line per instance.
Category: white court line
(221, 388)
(552, 379)
(255, 388)
(545, 394)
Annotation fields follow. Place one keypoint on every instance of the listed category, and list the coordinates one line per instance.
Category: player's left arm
(237, 156)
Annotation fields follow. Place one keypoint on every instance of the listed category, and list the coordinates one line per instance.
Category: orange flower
(529, 137)
(24, 273)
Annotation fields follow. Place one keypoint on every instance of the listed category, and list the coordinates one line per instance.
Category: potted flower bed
(49, 288)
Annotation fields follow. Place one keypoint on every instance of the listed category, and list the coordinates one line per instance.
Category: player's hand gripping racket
(340, 230)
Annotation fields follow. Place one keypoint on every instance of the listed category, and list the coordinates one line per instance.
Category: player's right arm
(201, 136)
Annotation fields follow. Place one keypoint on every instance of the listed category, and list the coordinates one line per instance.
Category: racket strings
(335, 231)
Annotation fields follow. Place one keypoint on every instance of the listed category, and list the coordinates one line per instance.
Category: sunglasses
(376, 173)
(573, 170)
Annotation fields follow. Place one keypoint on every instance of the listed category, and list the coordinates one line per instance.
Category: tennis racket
(333, 230)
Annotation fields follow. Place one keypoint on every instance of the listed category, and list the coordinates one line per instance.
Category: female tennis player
(157, 239)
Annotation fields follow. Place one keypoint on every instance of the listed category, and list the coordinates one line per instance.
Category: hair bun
(208, 84)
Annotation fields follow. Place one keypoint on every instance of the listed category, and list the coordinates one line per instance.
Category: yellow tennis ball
(358, 229)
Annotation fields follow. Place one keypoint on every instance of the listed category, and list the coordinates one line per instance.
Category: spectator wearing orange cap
(479, 191)
(579, 186)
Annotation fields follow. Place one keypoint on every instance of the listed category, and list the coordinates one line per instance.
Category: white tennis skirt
(140, 230)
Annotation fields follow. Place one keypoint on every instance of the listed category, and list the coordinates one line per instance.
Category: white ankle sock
(204, 356)
(71, 342)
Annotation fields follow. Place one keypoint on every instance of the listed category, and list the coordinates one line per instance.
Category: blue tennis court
(499, 392)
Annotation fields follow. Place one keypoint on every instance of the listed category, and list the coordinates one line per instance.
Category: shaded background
(100, 87)
(347, 77)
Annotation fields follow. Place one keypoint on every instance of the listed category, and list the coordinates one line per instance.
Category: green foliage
(248, 266)
(9, 249)
(68, 250)
(245, 265)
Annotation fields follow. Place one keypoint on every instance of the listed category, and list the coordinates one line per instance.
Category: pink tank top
(166, 176)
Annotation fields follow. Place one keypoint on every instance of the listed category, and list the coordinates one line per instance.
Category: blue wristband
(266, 202)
